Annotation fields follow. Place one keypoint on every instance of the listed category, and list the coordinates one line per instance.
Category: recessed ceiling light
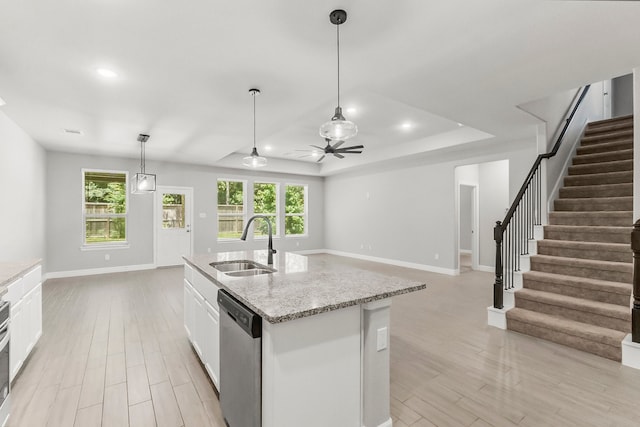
(314, 154)
(267, 148)
(460, 124)
(406, 125)
(351, 110)
(2, 102)
(106, 73)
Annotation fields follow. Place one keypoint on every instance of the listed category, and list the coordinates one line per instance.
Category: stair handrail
(501, 226)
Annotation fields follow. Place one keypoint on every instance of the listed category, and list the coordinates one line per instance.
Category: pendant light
(338, 128)
(143, 182)
(254, 160)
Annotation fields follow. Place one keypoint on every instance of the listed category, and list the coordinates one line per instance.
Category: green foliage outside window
(105, 197)
(294, 221)
(264, 203)
(230, 209)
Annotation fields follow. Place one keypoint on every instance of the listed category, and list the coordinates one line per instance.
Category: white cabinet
(199, 333)
(17, 351)
(189, 318)
(201, 318)
(212, 344)
(25, 296)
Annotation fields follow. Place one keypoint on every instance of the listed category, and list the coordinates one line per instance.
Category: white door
(173, 212)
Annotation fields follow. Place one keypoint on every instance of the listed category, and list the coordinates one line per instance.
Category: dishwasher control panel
(249, 321)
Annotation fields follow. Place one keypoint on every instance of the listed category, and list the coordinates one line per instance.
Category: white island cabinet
(24, 291)
(325, 335)
(201, 319)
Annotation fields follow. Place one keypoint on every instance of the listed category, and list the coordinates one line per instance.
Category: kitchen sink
(240, 268)
(225, 266)
(253, 272)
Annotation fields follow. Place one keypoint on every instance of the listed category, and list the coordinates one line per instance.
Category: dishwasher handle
(248, 321)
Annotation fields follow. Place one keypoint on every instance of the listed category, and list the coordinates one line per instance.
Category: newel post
(635, 310)
(498, 286)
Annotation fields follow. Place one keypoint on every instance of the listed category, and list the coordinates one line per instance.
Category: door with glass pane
(173, 224)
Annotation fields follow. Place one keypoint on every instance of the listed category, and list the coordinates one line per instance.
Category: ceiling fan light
(254, 160)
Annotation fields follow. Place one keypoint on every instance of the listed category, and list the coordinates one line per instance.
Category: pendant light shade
(143, 183)
(338, 128)
(254, 160)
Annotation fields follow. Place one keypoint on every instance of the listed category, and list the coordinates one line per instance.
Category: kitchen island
(325, 335)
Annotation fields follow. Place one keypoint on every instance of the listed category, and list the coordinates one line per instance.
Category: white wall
(64, 212)
(22, 173)
(410, 213)
(622, 95)
(466, 217)
(494, 201)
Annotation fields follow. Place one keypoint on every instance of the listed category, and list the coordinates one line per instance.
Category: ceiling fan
(337, 151)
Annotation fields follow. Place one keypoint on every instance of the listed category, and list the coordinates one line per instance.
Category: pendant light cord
(338, 50)
(142, 161)
(254, 119)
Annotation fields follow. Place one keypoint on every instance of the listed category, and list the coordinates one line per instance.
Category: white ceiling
(185, 69)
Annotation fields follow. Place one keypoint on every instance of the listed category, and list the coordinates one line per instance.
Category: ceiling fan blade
(319, 148)
(338, 155)
(350, 152)
(353, 147)
(338, 144)
(320, 159)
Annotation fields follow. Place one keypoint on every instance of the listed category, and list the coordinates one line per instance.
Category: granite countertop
(302, 286)
(10, 271)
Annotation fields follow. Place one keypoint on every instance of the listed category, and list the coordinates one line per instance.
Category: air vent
(73, 131)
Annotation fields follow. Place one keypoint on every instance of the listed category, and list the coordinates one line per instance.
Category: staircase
(578, 289)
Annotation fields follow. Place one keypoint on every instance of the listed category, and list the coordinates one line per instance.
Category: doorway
(172, 225)
(467, 227)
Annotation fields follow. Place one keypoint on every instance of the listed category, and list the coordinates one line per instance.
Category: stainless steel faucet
(271, 251)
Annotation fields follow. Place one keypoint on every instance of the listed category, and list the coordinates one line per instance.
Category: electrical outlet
(107, 257)
(436, 256)
(203, 214)
(209, 250)
(361, 245)
(369, 247)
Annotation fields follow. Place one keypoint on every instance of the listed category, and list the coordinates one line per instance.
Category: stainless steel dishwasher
(240, 363)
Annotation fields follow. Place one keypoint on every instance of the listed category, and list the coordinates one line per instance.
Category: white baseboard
(388, 423)
(630, 353)
(486, 268)
(424, 267)
(94, 271)
(310, 252)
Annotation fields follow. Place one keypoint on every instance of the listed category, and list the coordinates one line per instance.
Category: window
(231, 212)
(265, 202)
(105, 207)
(295, 218)
(172, 210)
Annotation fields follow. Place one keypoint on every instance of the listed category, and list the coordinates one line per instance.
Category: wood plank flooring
(114, 353)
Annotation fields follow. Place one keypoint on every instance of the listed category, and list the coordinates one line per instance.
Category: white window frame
(276, 224)
(104, 245)
(305, 215)
(244, 208)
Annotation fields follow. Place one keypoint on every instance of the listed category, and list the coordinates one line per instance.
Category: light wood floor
(114, 352)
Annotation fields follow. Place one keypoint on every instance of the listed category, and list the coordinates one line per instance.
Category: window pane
(230, 209)
(105, 229)
(172, 211)
(230, 226)
(105, 192)
(294, 224)
(295, 199)
(260, 227)
(264, 198)
(230, 194)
